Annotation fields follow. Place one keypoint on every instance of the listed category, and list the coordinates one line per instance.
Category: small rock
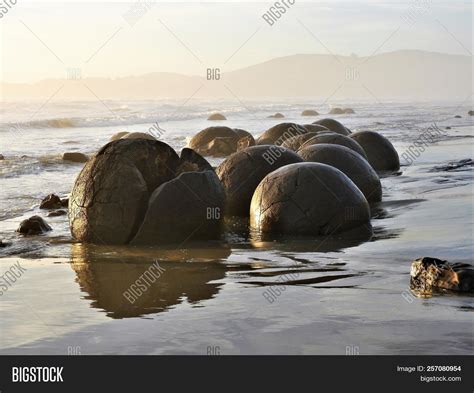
(56, 213)
(34, 225)
(277, 115)
(336, 111)
(3, 244)
(309, 112)
(52, 201)
(118, 135)
(216, 116)
(457, 117)
(448, 128)
(2, 157)
(75, 157)
(470, 113)
(348, 111)
(65, 202)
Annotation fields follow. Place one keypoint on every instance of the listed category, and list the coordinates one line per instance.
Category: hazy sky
(41, 40)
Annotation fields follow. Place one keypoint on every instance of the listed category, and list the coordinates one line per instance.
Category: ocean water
(241, 295)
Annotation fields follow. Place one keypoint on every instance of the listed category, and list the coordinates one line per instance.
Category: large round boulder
(51, 201)
(348, 162)
(307, 199)
(333, 125)
(216, 116)
(315, 128)
(380, 152)
(241, 173)
(215, 141)
(276, 135)
(335, 139)
(295, 142)
(111, 197)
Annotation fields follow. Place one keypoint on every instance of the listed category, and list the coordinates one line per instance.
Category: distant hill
(410, 74)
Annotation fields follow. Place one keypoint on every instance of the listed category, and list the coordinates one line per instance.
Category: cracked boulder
(307, 199)
(335, 139)
(380, 152)
(110, 198)
(215, 141)
(333, 125)
(241, 173)
(276, 135)
(348, 162)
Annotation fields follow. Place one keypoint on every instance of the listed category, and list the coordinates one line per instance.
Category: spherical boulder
(277, 115)
(380, 152)
(309, 112)
(348, 111)
(333, 125)
(336, 111)
(348, 162)
(75, 157)
(307, 199)
(110, 195)
(241, 173)
(34, 225)
(335, 139)
(215, 141)
(276, 135)
(216, 116)
(140, 190)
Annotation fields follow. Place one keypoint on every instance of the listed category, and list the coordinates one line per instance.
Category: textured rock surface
(335, 139)
(307, 198)
(241, 173)
(348, 162)
(204, 142)
(34, 225)
(110, 195)
(52, 201)
(380, 152)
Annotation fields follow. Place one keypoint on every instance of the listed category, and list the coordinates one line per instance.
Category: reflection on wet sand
(105, 279)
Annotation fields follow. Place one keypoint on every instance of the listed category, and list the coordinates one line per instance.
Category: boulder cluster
(314, 179)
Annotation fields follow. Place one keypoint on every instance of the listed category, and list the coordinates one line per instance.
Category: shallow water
(242, 295)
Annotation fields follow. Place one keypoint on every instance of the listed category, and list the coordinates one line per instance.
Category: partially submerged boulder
(307, 199)
(57, 213)
(277, 134)
(241, 173)
(2, 157)
(333, 125)
(380, 152)
(216, 116)
(215, 141)
(34, 225)
(277, 115)
(348, 111)
(335, 139)
(470, 113)
(52, 201)
(187, 207)
(309, 112)
(336, 111)
(75, 157)
(348, 162)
